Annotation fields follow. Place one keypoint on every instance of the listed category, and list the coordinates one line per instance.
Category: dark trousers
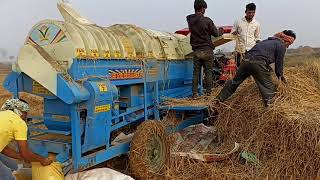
(261, 73)
(202, 58)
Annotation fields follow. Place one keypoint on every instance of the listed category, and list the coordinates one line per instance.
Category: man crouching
(13, 127)
(257, 64)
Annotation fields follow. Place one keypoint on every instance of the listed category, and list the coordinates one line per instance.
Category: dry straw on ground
(285, 137)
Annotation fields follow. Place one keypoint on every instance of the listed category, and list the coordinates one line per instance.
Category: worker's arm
(235, 28)
(29, 156)
(279, 61)
(213, 29)
(20, 135)
(257, 34)
(11, 153)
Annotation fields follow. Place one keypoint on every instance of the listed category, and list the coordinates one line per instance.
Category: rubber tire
(142, 156)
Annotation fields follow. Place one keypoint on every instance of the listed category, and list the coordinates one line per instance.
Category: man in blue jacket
(257, 64)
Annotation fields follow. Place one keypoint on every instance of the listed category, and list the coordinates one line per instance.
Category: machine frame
(81, 145)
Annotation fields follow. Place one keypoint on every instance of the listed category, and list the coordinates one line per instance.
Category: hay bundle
(285, 137)
(149, 150)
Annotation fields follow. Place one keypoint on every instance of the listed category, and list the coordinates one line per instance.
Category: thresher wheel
(149, 151)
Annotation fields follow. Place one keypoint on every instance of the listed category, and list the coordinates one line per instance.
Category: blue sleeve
(279, 61)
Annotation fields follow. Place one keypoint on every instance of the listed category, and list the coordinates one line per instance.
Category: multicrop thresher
(96, 80)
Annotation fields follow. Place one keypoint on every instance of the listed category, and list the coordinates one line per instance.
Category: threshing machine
(96, 80)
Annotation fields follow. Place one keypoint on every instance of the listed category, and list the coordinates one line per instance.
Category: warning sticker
(94, 53)
(153, 72)
(117, 54)
(106, 54)
(103, 108)
(81, 53)
(102, 87)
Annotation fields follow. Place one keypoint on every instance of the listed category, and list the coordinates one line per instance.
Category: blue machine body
(104, 96)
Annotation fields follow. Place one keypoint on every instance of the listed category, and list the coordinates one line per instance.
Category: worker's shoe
(267, 103)
(208, 93)
(195, 96)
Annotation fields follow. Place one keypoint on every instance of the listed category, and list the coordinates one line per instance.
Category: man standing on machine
(202, 28)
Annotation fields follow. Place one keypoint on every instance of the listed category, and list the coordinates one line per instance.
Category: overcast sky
(18, 16)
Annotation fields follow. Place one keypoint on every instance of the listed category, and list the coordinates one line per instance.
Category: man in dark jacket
(202, 28)
(257, 64)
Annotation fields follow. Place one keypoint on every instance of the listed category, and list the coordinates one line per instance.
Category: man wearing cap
(247, 30)
(202, 28)
(13, 127)
(257, 64)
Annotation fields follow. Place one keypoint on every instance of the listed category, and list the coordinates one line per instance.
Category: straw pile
(285, 137)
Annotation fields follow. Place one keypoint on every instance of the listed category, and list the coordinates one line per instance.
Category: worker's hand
(235, 33)
(283, 80)
(46, 162)
(221, 31)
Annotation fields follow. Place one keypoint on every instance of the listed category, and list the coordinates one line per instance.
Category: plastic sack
(99, 174)
(23, 174)
(51, 172)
